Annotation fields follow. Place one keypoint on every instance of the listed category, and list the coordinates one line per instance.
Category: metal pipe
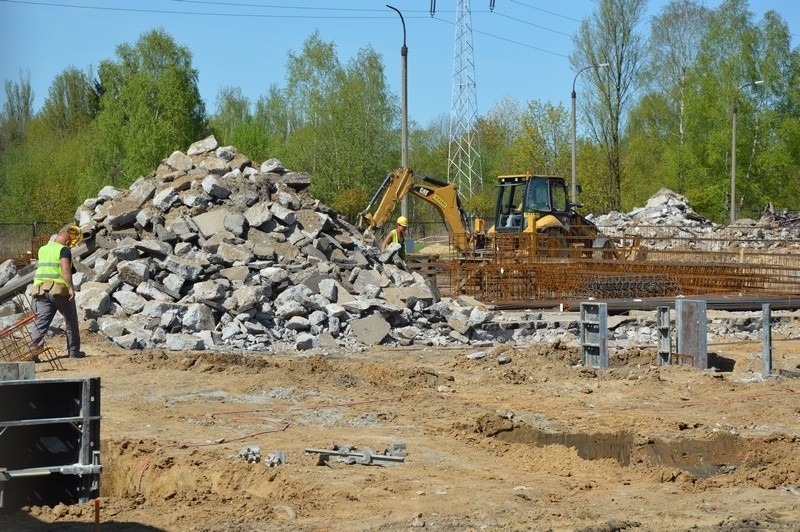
(766, 326)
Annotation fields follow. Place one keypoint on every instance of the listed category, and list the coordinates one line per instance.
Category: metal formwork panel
(691, 326)
(766, 327)
(594, 334)
(664, 340)
(49, 442)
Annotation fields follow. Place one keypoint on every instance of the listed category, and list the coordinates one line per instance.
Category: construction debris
(349, 455)
(251, 454)
(668, 216)
(275, 459)
(213, 252)
(781, 219)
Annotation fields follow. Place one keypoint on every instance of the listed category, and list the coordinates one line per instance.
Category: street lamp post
(733, 147)
(404, 111)
(574, 182)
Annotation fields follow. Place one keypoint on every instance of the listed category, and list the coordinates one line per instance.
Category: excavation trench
(702, 457)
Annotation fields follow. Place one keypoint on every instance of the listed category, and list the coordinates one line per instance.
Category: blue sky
(521, 48)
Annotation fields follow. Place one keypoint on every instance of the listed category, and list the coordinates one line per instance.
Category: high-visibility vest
(396, 237)
(49, 266)
(402, 241)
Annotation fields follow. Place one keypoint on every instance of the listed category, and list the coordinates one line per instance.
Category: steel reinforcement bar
(520, 267)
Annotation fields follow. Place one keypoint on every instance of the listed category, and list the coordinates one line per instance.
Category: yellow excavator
(531, 203)
(443, 196)
(525, 204)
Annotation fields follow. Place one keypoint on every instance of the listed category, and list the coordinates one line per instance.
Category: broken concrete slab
(371, 330)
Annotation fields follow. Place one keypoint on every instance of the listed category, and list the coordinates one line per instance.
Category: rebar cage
(18, 343)
(645, 262)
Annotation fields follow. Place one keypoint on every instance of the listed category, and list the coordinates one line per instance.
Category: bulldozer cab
(522, 199)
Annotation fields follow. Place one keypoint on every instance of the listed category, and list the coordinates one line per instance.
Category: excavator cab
(526, 203)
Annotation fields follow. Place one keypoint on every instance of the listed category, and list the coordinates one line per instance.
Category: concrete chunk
(180, 161)
(371, 330)
(203, 146)
(212, 222)
(258, 215)
(214, 187)
(198, 317)
(286, 216)
(183, 342)
(186, 268)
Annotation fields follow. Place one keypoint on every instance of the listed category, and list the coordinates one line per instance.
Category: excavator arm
(402, 182)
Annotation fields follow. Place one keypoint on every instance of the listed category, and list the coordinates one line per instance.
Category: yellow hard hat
(75, 235)
(402, 221)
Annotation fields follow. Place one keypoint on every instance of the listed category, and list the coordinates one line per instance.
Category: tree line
(658, 115)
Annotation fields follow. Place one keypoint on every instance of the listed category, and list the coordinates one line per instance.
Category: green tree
(735, 53)
(543, 144)
(498, 130)
(273, 114)
(233, 124)
(592, 166)
(233, 110)
(775, 166)
(610, 36)
(150, 106)
(341, 121)
(427, 147)
(43, 176)
(17, 109)
(658, 133)
(72, 102)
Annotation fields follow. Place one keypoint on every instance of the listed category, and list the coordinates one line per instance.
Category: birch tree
(610, 35)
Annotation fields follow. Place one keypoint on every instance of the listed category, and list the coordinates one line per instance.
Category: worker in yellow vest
(398, 236)
(53, 289)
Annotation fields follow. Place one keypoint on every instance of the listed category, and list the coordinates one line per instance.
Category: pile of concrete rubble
(211, 251)
(667, 221)
(782, 219)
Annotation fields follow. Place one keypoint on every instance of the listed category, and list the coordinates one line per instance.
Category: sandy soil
(533, 444)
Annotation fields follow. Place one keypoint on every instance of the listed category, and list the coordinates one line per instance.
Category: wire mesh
(655, 262)
(18, 343)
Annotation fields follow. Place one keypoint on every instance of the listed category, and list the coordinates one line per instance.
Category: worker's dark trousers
(46, 306)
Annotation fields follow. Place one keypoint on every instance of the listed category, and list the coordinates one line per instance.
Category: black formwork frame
(49, 442)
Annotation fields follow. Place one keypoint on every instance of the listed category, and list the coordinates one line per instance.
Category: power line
(543, 10)
(532, 24)
(308, 8)
(262, 6)
(257, 15)
(509, 40)
(195, 13)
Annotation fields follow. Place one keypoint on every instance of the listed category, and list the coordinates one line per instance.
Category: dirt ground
(537, 443)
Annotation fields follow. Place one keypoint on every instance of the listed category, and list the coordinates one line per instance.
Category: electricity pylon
(463, 157)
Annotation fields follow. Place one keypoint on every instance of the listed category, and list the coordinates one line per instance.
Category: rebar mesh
(17, 342)
(656, 262)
